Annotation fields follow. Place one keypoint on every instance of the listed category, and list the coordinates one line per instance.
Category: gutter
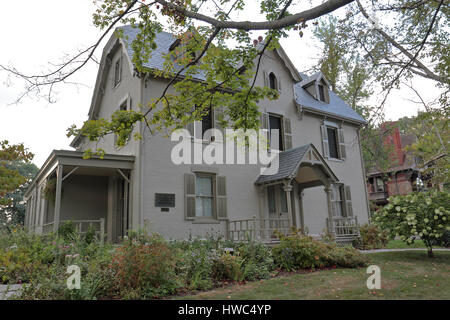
(332, 115)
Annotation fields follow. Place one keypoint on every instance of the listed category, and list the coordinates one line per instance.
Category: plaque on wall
(165, 200)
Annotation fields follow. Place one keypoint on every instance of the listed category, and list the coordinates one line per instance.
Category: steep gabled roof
(289, 162)
(164, 42)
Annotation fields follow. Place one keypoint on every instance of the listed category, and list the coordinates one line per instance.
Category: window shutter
(287, 133)
(265, 126)
(326, 149)
(279, 84)
(218, 116)
(342, 151)
(266, 78)
(348, 201)
(221, 197)
(333, 201)
(189, 193)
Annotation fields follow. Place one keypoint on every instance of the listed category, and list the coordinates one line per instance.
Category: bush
(67, 230)
(424, 215)
(145, 269)
(257, 260)
(303, 252)
(195, 265)
(371, 237)
(229, 267)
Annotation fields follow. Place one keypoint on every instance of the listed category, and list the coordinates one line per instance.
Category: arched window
(273, 81)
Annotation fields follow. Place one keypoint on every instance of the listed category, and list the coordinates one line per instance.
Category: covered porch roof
(69, 160)
(303, 164)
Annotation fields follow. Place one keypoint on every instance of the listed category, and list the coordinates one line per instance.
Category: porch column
(301, 220)
(59, 173)
(330, 228)
(287, 187)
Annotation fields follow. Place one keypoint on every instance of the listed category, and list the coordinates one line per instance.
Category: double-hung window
(204, 197)
(333, 141)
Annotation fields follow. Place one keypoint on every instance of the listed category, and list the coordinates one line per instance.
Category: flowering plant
(423, 215)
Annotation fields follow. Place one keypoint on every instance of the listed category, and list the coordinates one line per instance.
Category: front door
(277, 206)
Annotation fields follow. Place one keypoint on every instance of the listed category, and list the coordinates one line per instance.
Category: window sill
(205, 221)
(336, 160)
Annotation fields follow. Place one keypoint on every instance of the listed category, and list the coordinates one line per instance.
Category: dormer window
(321, 93)
(317, 86)
(272, 81)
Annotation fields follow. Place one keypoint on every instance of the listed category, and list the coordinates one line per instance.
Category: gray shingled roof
(288, 163)
(337, 106)
(164, 40)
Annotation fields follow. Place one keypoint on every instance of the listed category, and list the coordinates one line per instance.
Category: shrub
(195, 265)
(229, 267)
(371, 237)
(257, 260)
(303, 252)
(67, 230)
(423, 215)
(145, 269)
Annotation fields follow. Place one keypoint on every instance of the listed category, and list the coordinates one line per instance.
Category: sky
(35, 33)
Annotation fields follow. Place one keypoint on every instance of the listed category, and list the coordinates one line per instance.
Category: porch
(91, 193)
(282, 197)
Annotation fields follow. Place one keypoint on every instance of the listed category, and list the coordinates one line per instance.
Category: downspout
(364, 173)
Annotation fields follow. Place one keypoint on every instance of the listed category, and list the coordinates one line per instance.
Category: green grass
(404, 275)
(399, 244)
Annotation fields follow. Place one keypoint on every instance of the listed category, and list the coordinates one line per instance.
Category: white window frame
(212, 196)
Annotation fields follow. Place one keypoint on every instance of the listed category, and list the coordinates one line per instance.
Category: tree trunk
(430, 252)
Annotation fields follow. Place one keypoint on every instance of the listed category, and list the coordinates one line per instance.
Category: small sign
(165, 200)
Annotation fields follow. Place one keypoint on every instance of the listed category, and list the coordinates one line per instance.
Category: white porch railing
(265, 229)
(344, 227)
(81, 226)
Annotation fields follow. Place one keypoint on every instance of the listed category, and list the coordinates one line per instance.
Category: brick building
(402, 176)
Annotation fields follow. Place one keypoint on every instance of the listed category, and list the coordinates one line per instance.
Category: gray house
(319, 186)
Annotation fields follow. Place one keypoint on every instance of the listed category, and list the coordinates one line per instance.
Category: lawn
(399, 244)
(404, 275)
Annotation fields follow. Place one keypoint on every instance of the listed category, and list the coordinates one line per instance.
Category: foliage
(423, 215)
(415, 45)
(145, 269)
(371, 237)
(196, 263)
(298, 251)
(144, 266)
(13, 213)
(10, 177)
(257, 260)
(67, 230)
(352, 80)
(432, 131)
(229, 267)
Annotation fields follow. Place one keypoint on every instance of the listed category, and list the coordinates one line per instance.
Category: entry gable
(292, 162)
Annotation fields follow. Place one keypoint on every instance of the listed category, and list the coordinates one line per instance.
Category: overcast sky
(37, 32)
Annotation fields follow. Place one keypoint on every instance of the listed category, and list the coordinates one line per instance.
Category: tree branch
(320, 10)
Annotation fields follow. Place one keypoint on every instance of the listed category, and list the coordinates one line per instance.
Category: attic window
(321, 93)
(118, 72)
(272, 81)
